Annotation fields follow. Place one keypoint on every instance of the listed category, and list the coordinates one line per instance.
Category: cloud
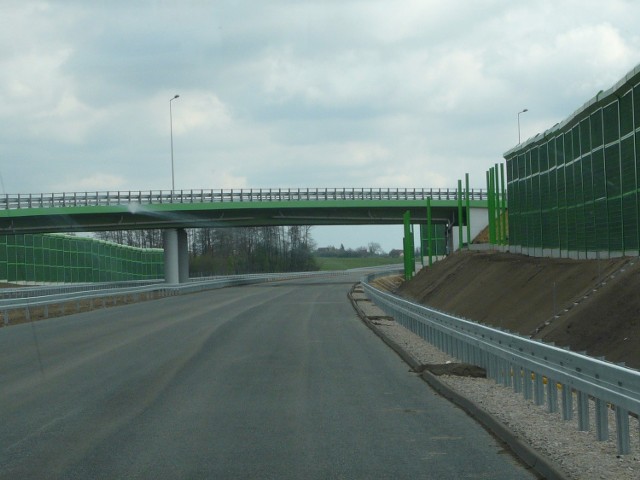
(98, 181)
(283, 93)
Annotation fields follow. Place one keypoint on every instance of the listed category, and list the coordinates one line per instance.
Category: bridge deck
(94, 211)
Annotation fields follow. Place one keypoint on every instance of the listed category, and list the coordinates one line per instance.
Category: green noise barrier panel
(55, 258)
(574, 189)
(438, 240)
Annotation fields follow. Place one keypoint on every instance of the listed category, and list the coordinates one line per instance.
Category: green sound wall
(59, 258)
(573, 190)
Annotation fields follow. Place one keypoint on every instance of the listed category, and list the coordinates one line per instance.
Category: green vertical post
(468, 207)
(422, 244)
(490, 205)
(498, 213)
(429, 232)
(460, 241)
(496, 205)
(409, 262)
(504, 205)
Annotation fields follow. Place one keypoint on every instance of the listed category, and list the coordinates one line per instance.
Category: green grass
(336, 263)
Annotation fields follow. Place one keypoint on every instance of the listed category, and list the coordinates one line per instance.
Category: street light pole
(525, 110)
(173, 183)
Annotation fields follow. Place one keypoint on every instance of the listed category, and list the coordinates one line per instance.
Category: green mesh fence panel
(630, 222)
(579, 202)
(601, 221)
(626, 114)
(636, 106)
(614, 190)
(628, 165)
(3, 257)
(438, 240)
(586, 172)
(562, 207)
(590, 227)
(570, 202)
(610, 123)
(552, 154)
(544, 206)
(521, 227)
(564, 146)
(596, 130)
(59, 258)
(614, 207)
(599, 180)
(637, 156)
(552, 234)
(11, 256)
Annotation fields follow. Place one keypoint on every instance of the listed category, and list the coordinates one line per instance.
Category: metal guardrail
(9, 294)
(537, 370)
(154, 197)
(110, 291)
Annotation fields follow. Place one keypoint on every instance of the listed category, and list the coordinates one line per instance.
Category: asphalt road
(271, 381)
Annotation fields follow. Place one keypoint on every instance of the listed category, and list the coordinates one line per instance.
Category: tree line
(373, 249)
(228, 251)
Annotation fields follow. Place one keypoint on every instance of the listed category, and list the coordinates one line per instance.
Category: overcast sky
(332, 93)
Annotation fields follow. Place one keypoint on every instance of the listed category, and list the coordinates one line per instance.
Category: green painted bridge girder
(124, 211)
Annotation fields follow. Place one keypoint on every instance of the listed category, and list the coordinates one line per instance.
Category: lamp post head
(176, 96)
(525, 110)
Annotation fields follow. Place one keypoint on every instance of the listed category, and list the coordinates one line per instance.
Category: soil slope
(587, 305)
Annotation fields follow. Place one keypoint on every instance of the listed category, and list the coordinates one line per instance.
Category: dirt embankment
(587, 305)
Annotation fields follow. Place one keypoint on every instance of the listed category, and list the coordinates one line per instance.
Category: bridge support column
(171, 258)
(176, 256)
(183, 256)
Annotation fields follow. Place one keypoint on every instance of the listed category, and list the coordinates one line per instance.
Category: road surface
(277, 381)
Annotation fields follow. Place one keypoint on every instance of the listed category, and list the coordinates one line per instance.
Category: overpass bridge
(173, 211)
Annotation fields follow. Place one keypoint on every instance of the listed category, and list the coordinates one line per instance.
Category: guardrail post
(567, 402)
(506, 373)
(517, 378)
(602, 420)
(622, 431)
(538, 393)
(552, 396)
(583, 412)
(528, 385)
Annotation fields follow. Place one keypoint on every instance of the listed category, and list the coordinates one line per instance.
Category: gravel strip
(576, 454)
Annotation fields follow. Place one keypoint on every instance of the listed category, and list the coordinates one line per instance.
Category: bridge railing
(536, 370)
(153, 197)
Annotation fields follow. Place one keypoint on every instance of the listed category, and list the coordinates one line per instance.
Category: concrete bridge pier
(176, 256)
(183, 256)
